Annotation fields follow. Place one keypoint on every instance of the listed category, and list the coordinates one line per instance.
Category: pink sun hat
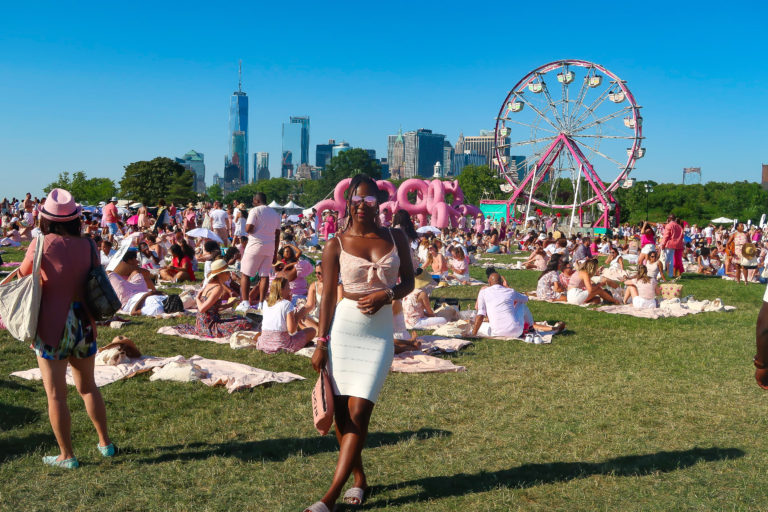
(60, 206)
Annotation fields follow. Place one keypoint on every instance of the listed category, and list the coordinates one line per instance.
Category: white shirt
(218, 218)
(504, 308)
(106, 257)
(274, 317)
(265, 221)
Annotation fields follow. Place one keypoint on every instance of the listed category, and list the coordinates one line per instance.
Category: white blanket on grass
(233, 376)
(672, 308)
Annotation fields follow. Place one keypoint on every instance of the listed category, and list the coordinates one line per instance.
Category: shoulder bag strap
(35, 263)
(93, 252)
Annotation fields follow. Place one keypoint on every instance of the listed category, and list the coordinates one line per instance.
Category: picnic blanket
(231, 375)
(170, 330)
(239, 339)
(669, 308)
(420, 361)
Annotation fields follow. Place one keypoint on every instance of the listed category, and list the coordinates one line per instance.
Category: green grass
(619, 413)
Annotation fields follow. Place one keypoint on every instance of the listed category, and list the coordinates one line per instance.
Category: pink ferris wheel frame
(603, 193)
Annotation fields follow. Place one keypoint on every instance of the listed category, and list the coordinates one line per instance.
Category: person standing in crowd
(220, 223)
(163, 218)
(263, 228)
(66, 333)
(359, 351)
(672, 243)
(238, 220)
(738, 239)
(190, 218)
(109, 217)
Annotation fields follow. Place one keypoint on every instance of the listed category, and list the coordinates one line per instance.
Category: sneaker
(106, 451)
(50, 460)
(537, 339)
(242, 307)
(528, 338)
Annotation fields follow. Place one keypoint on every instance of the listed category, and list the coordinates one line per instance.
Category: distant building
(516, 168)
(384, 163)
(238, 131)
(324, 153)
(303, 172)
(422, 149)
(302, 156)
(448, 154)
(261, 169)
(484, 145)
(437, 170)
(371, 153)
(765, 176)
(396, 155)
(291, 149)
(195, 162)
(461, 160)
(338, 148)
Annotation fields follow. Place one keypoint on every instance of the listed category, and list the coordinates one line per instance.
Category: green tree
(160, 178)
(84, 189)
(214, 192)
(277, 189)
(478, 182)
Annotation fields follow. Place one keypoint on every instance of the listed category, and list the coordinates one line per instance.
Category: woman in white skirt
(359, 350)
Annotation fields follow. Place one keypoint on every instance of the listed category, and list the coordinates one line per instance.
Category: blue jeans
(670, 261)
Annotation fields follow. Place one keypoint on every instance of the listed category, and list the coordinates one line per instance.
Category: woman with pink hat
(66, 333)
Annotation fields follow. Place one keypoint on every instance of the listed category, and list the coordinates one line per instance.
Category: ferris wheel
(567, 136)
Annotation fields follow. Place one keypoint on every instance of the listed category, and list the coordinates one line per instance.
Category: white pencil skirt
(360, 351)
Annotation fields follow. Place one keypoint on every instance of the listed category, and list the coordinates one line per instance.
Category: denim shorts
(77, 340)
(112, 228)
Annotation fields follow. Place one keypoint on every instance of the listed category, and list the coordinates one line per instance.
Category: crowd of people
(373, 285)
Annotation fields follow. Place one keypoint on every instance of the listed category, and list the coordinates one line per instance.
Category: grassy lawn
(619, 413)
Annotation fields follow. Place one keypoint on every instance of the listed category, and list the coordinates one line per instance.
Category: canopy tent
(723, 220)
(274, 204)
(292, 208)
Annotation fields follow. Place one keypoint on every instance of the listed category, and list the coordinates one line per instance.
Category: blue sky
(94, 87)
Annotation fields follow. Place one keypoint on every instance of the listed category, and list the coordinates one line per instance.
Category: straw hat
(217, 267)
(129, 347)
(60, 206)
(423, 280)
(749, 250)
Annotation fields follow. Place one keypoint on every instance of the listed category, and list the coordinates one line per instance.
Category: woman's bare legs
(630, 292)
(352, 417)
(54, 374)
(82, 371)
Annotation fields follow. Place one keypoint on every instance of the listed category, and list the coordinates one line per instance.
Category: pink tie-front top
(358, 275)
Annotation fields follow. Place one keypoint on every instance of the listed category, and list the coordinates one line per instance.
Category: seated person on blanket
(418, 313)
(280, 324)
(642, 289)
(210, 251)
(209, 303)
(291, 255)
(180, 268)
(505, 310)
(459, 263)
(549, 287)
(581, 290)
(134, 287)
(537, 259)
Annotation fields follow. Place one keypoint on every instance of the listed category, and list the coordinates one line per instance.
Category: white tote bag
(20, 300)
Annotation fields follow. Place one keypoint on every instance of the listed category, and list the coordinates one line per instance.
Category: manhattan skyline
(79, 95)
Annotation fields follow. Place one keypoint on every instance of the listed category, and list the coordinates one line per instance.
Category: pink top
(358, 275)
(65, 265)
(109, 213)
(576, 281)
(645, 291)
(673, 236)
(460, 267)
(127, 288)
(265, 221)
(645, 240)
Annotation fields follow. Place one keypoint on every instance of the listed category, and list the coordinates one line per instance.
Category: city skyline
(85, 97)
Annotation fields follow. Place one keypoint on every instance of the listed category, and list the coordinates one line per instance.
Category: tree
(277, 189)
(161, 178)
(479, 181)
(84, 189)
(214, 192)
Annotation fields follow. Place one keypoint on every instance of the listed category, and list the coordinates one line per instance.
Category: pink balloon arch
(430, 201)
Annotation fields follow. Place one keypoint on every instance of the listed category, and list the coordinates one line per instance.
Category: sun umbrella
(428, 229)
(204, 233)
(722, 220)
(132, 221)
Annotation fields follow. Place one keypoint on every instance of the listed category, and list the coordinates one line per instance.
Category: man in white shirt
(263, 228)
(220, 223)
(504, 308)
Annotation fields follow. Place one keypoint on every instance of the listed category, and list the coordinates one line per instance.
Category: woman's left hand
(372, 302)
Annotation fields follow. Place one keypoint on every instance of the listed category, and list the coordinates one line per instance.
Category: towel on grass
(233, 376)
(673, 308)
(170, 330)
(239, 339)
(419, 362)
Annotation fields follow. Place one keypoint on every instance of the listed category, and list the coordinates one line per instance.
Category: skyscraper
(303, 156)
(291, 149)
(341, 146)
(396, 155)
(448, 153)
(323, 153)
(195, 162)
(422, 149)
(261, 169)
(484, 144)
(238, 130)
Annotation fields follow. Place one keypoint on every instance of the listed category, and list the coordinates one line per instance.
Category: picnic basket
(671, 290)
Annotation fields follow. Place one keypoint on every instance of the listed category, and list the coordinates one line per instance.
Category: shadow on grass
(281, 449)
(9, 384)
(529, 475)
(12, 447)
(14, 416)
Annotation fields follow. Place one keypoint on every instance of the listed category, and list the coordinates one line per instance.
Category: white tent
(274, 204)
(292, 208)
(723, 220)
